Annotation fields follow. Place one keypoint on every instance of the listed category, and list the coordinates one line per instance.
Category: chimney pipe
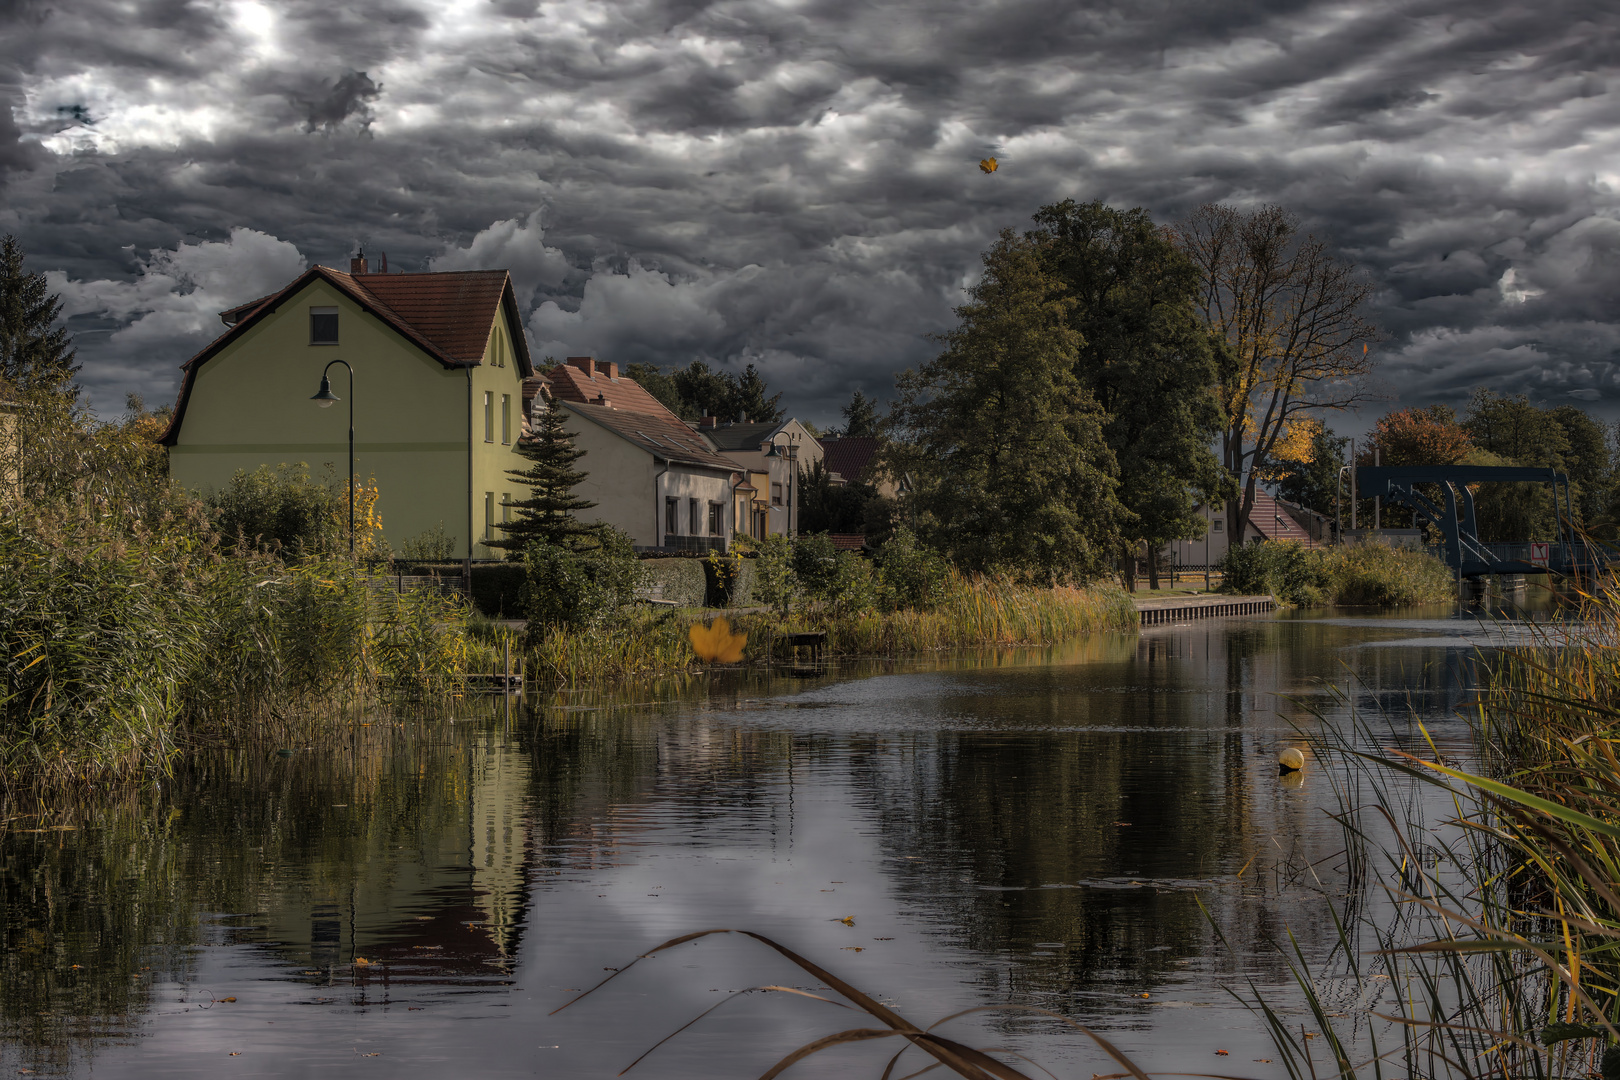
(587, 364)
(357, 265)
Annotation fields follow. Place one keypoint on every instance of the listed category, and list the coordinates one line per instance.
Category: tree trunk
(1153, 566)
(1127, 566)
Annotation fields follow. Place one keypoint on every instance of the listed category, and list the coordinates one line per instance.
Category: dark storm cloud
(794, 184)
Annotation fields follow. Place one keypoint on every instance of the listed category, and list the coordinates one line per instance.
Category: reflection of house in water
(426, 879)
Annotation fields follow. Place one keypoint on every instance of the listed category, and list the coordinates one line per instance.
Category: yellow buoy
(1290, 760)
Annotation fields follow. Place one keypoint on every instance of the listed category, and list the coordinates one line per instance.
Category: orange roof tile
(569, 383)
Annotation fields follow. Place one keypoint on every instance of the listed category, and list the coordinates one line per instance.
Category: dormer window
(323, 326)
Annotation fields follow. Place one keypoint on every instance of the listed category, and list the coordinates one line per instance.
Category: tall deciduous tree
(696, 391)
(1290, 316)
(1145, 356)
(548, 514)
(1311, 478)
(35, 354)
(1002, 440)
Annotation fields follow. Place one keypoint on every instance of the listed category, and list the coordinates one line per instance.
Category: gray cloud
(796, 186)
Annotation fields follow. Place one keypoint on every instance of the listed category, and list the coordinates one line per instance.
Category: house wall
(619, 478)
(685, 482)
(1208, 548)
(250, 407)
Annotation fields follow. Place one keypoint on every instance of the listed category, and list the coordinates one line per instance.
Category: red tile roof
(847, 541)
(447, 316)
(1275, 523)
(848, 458)
(570, 383)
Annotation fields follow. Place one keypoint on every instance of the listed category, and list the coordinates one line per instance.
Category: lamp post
(324, 398)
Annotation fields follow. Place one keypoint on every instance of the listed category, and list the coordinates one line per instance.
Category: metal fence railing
(453, 587)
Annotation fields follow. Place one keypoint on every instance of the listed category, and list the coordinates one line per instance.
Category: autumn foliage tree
(1415, 436)
(1290, 317)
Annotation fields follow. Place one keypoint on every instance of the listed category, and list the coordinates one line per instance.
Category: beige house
(649, 473)
(770, 455)
(438, 363)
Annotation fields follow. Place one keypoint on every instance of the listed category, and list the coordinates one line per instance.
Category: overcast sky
(796, 184)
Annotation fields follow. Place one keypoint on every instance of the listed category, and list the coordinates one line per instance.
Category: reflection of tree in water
(1104, 832)
(608, 772)
(385, 847)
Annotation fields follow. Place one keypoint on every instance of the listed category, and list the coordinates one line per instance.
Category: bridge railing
(1554, 554)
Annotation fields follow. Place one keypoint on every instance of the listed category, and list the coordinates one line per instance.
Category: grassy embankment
(973, 612)
(1368, 576)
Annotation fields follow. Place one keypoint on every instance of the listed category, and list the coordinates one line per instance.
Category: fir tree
(34, 354)
(548, 513)
(860, 416)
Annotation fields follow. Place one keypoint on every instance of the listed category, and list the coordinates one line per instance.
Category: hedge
(497, 587)
(683, 580)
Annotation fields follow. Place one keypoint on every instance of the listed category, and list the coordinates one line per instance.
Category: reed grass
(973, 612)
(1496, 951)
(116, 649)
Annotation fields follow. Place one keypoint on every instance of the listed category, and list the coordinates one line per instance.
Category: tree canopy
(1290, 315)
(1144, 356)
(695, 391)
(1004, 442)
(860, 417)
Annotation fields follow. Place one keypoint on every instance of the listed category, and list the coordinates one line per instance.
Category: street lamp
(325, 399)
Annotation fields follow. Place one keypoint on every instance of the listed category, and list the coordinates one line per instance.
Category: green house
(439, 362)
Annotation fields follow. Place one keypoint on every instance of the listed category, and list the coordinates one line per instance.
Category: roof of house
(662, 436)
(743, 436)
(1275, 523)
(569, 383)
(446, 315)
(847, 541)
(850, 457)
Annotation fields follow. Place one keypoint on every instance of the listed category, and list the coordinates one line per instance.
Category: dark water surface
(1038, 826)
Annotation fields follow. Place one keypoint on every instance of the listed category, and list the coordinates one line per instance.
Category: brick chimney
(357, 265)
(610, 370)
(587, 364)
(708, 422)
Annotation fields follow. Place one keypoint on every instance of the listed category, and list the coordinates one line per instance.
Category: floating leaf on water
(716, 643)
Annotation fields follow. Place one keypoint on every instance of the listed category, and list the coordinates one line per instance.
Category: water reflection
(1074, 827)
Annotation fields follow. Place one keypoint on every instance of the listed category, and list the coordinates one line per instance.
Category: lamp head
(325, 398)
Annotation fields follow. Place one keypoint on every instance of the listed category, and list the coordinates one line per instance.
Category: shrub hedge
(1368, 576)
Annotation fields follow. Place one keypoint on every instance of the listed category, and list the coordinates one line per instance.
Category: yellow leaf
(361, 961)
(988, 165)
(848, 920)
(716, 643)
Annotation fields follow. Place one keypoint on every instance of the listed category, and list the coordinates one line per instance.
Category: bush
(728, 578)
(280, 509)
(815, 564)
(566, 588)
(683, 580)
(434, 545)
(1294, 574)
(775, 583)
(853, 588)
(911, 575)
(1371, 575)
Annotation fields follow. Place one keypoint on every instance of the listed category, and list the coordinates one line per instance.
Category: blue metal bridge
(1453, 514)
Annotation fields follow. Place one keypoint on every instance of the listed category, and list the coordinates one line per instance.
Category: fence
(454, 587)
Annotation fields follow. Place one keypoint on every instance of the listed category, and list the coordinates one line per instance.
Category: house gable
(449, 319)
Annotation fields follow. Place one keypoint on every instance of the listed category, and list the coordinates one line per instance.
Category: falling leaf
(854, 948)
(1147, 995)
(361, 961)
(227, 999)
(847, 920)
(716, 643)
(989, 165)
(236, 1053)
(1223, 1053)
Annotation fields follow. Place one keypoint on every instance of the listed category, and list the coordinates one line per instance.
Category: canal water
(1098, 829)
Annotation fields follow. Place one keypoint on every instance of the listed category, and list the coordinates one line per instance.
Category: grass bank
(1371, 575)
(972, 612)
